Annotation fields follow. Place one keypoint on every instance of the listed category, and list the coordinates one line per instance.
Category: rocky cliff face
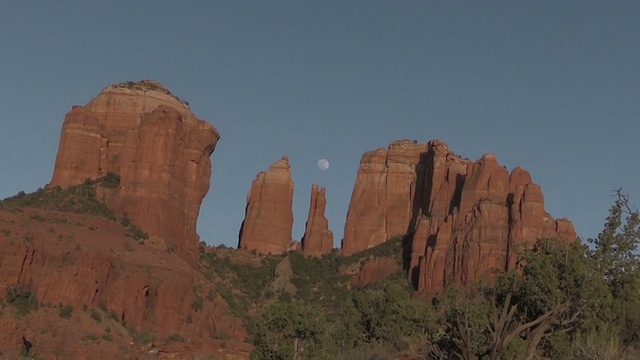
(318, 239)
(466, 218)
(383, 198)
(268, 221)
(88, 262)
(159, 148)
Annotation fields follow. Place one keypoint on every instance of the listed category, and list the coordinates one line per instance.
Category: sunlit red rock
(268, 221)
(382, 203)
(466, 218)
(318, 239)
(157, 146)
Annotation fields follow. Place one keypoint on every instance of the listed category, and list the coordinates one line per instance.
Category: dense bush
(22, 299)
(66, 312)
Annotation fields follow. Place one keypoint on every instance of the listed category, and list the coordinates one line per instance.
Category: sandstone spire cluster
(157, 146)
(465, 218)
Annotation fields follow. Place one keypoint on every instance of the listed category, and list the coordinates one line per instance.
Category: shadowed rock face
(466, 218)
(160, 149)
(318, 239)
(268, 221)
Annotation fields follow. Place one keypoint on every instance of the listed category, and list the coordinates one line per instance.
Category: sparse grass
(96, 316)
(143, 338)
(197, 298)
(91, 337)
(80, 199)
(28, 238)
(38, 217)
(113, 316)
(176, 338)
(136, 233)
(145, 85)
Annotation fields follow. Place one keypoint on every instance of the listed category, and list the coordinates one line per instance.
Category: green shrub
(111, 180)
(21, 298)
(113, 316)
(96, 316)
(143, 338)
(66, 312)
(136, 233)
(197, 298)
(176, 338)
(91, 337)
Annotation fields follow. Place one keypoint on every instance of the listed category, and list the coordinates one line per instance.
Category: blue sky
(551, 86)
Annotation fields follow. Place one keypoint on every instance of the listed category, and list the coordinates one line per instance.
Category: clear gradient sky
(552, 86)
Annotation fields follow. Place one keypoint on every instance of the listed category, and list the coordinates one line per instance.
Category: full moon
(323, 164)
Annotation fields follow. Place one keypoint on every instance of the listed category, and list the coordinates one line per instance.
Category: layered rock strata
(268, 221)
(157, 146)
(318, 239)
(466, 218)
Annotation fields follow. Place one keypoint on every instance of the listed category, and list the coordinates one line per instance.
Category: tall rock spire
(318, 239)
(268, 221)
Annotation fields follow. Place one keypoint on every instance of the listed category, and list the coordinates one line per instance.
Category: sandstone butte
(157, 146)
(161, 152)
(464, 218)
(268, 221)
(317, 239)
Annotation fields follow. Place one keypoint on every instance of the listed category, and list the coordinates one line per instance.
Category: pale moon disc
(323, 164)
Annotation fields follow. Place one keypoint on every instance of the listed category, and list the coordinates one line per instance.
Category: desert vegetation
(86, 198)
(563, 300)
(576, 300)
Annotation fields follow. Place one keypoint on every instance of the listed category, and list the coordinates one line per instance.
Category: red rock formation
(95, 265)
(317, 239)
(159, 148)
(498, 216)
(467, 218)
(382, 202)
(268, 220)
